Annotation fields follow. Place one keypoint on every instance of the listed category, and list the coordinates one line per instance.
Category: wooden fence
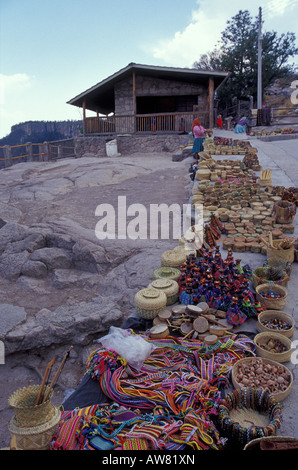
(36, 152)
(284, 116)
(144, 123)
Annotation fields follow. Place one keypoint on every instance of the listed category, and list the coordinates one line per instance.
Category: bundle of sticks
(266, 174)
(45, 390)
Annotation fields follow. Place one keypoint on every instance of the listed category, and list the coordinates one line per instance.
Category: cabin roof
(100, 97)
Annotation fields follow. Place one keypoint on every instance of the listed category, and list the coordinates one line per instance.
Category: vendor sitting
(242, 126)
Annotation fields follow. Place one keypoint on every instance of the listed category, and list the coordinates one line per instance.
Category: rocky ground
(60, 285)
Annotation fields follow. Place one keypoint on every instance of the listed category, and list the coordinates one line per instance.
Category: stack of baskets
(149, 302)
(169, 287)
(167, 272)
(203, 174)
(33, 426)
(174, 258)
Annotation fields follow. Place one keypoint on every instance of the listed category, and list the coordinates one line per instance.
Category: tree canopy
(237, 53)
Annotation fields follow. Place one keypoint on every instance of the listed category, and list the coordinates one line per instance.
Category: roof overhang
(100, 97)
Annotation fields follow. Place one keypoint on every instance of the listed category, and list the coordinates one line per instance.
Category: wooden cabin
(150, 99)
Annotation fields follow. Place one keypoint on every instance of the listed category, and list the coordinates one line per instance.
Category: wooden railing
(36, 152)
(284, 115)
(144, 123)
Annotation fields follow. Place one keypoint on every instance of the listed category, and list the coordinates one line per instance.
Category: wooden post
(7, 153)
(43, 152)
(97, 122)
(210, 101)
(60, 152)
(29, 151)
(84, 117)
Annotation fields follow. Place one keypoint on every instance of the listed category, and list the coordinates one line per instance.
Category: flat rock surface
(65, 283)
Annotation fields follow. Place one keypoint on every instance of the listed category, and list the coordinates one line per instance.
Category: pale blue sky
(52, 50)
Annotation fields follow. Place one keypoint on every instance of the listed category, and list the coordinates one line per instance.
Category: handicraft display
(222, 283)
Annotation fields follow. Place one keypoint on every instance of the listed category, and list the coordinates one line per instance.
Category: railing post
(7, 153)
(75, 147)
(59, 153)
(29, 151)
(46, 156)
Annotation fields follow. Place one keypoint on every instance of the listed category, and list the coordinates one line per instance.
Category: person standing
(199, 136)
(219, 121)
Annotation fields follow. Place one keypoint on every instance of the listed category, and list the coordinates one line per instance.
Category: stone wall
(129, 144)
(146, 86)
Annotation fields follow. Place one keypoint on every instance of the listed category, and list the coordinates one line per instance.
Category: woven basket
(272, 304)
(173, 258)
(35, 437)
(262, 338)
(267, 182)
(259, 277)
(169, 287)
(149, 302)
(203, 174)
(271, 315)
(238, 410)
(270, 441)
(284, 211)
(279, 395)
(28, 414)
(205, 155)
(167, 272)
(277, 257)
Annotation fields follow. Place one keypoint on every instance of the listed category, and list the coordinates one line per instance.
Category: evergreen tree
(237, 53)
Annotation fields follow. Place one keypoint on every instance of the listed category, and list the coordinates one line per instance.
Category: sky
(52, 50)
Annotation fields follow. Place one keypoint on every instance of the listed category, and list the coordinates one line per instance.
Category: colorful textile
(240, 129)
(70, 425)
(168, 404)
(241, 125)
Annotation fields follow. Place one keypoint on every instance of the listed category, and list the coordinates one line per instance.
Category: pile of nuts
(261, 374)
(273, 346)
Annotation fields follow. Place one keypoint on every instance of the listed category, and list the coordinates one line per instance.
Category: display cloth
(170, 402)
